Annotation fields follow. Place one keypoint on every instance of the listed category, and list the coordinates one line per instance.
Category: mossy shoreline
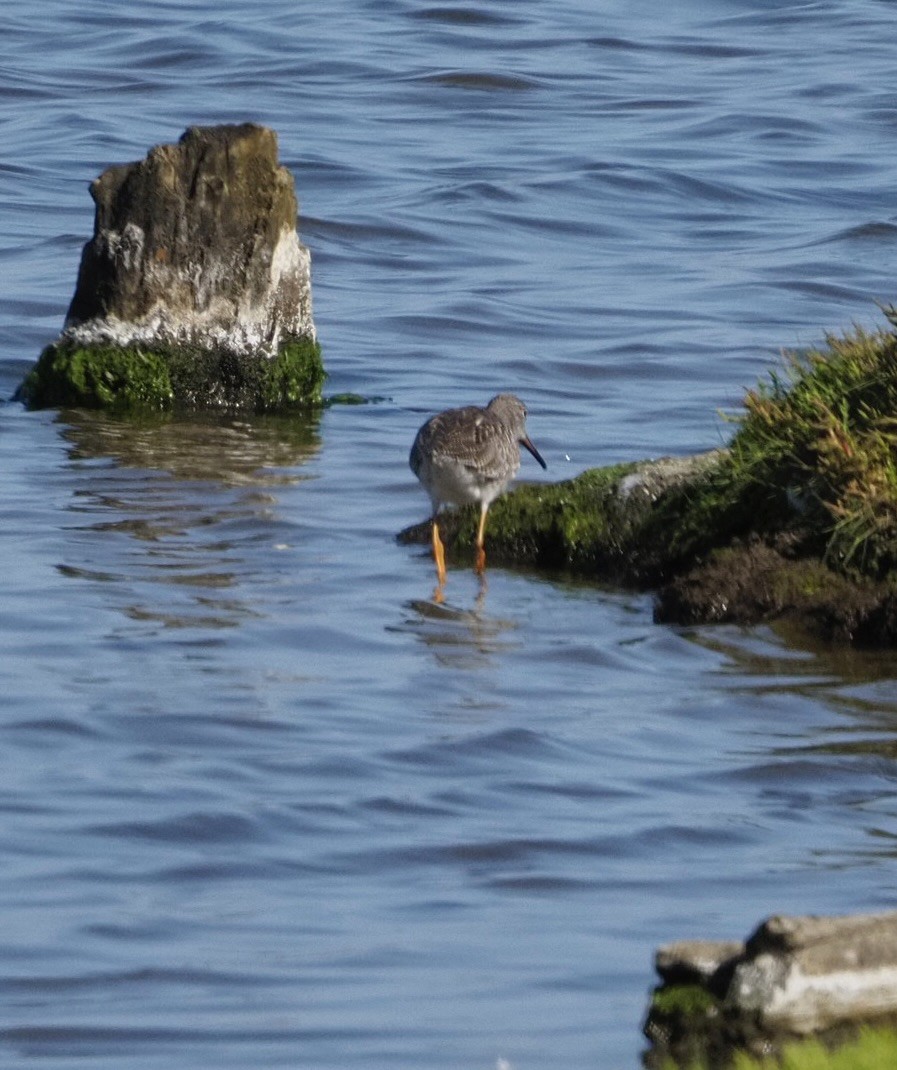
(796, 518)
(691, 1029)
(136, 378)
(848, 1048)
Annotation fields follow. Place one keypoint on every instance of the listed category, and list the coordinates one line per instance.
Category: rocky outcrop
(795, 519)
(793, 977)
(657, 525)
(601, 522)
(194, 289)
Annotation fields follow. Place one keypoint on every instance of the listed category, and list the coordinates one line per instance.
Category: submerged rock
(194, 289)
(793, 977)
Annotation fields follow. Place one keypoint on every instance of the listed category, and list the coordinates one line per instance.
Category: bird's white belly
(457, 484)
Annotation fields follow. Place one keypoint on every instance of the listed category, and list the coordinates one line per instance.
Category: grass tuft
(871, 1050)
(868, 1049)
(815, 450)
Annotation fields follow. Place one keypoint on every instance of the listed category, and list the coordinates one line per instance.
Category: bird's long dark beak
(526, 442)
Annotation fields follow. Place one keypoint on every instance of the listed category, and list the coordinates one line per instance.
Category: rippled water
(264, 803)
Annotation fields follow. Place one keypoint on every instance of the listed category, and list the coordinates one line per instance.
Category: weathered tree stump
(194, 289)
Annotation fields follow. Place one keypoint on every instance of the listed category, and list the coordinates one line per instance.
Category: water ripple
(264, 801)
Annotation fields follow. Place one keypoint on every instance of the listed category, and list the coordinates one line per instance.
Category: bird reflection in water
(458, 637)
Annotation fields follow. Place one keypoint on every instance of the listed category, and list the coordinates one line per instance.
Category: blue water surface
(266, 804)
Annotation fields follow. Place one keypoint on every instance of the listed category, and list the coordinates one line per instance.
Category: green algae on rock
(102, 377)
(570, 525)
(194, 291)
(124, 378)
(592, 523)
(868, 1049)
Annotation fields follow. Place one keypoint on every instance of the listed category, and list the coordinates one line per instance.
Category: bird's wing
(476, 440)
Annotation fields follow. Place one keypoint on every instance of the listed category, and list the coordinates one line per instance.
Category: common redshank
(470, 455)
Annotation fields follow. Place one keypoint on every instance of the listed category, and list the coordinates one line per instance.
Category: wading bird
(470, 455)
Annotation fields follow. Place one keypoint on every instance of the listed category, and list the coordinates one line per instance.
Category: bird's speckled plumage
(470, 455)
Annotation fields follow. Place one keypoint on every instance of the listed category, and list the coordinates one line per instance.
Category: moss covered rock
(194, 289)
(722, 1002)
(590, 524)
(796, 518)
(196, 245)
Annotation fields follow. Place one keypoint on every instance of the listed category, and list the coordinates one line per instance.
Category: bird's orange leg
(481, 539)
(438, 553)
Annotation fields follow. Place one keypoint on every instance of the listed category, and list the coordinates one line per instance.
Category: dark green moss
(581, 525)
(813, 464)
(135, 378)
(105, 377)
(871, 1049)
(353, 399)
(574, 524)
(686, 1026)
(819, 441)
(689, 1001)
(693, 519)
(864, 1049)
(294, 379)
(597, 523)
